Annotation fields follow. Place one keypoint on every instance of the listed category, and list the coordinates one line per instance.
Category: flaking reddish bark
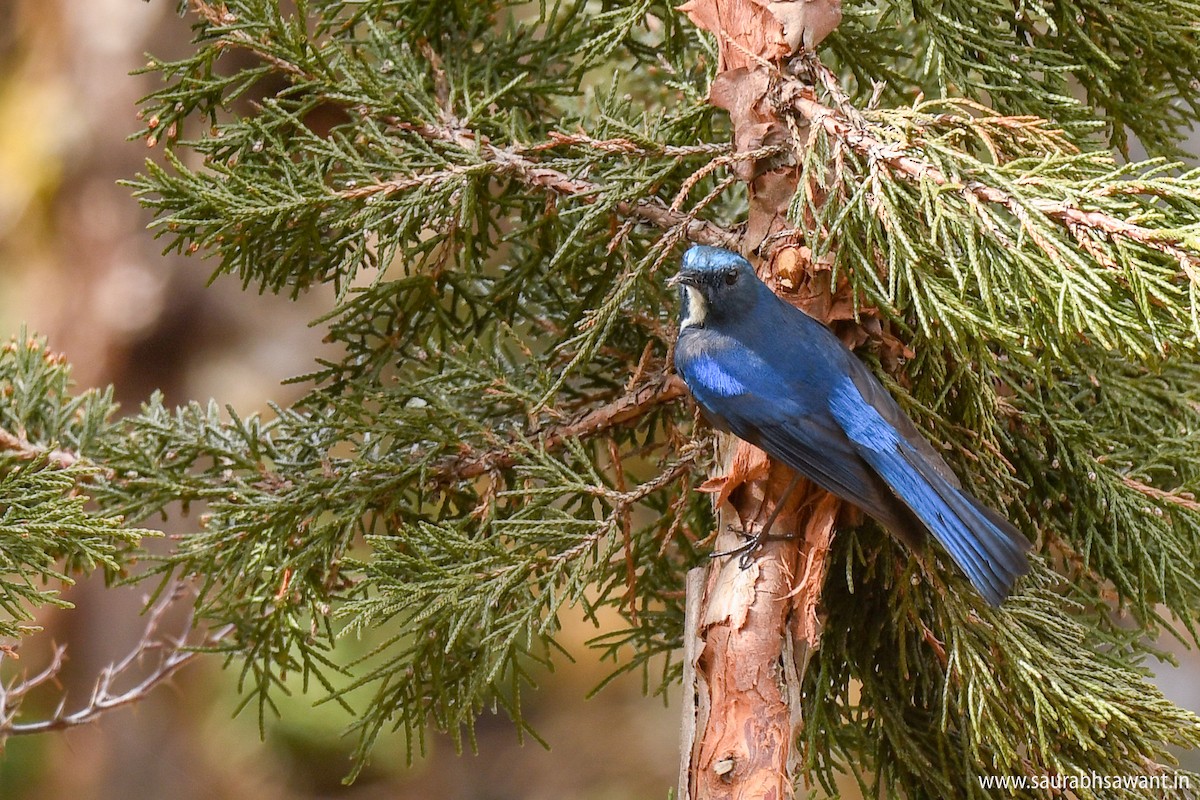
(757, 627)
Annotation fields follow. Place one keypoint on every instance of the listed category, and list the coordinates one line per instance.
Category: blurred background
(77, 264)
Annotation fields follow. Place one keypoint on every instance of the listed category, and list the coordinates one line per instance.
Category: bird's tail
(984, 545)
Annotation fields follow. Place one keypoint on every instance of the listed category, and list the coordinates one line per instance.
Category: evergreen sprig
(1138, 64)
(47, 531)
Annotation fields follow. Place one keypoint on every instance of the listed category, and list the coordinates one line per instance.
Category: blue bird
(774, 376)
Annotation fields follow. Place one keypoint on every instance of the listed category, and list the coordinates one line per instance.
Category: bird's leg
(754, 542)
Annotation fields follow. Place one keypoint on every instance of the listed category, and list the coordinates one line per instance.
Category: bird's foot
(748, 548)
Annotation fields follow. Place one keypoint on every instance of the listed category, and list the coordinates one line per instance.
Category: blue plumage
(777, 378)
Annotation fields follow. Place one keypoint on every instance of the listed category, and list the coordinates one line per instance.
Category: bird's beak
(681, 279)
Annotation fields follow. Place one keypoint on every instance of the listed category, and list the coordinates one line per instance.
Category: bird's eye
(731, 278)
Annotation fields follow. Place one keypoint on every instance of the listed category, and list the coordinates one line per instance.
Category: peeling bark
(751, 632)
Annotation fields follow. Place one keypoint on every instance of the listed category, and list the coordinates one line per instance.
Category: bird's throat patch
(697, 309)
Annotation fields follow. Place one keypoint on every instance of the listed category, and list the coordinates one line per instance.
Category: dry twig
(173, 654)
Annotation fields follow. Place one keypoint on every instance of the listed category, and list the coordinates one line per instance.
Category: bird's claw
(748, 548)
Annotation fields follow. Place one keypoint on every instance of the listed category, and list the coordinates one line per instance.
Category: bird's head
(714, 284)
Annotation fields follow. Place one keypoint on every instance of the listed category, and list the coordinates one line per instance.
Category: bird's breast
(713, 365)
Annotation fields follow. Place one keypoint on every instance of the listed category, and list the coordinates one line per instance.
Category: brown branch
(511, 162)
(860, 140)
(626, 408)
(24, 449)
(1182, 499)
(172, 657)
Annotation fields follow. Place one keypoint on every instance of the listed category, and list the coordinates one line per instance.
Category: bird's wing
(874, 393)
(823, 345)
(822, 453)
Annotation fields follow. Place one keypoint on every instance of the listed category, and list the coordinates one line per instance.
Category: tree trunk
(752, 630)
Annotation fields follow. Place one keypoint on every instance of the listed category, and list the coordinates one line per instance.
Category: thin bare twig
(174, 654)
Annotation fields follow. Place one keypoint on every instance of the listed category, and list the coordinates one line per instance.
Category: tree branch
(858, 138)
(172, 657)
(510, 161)
(626, 408)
